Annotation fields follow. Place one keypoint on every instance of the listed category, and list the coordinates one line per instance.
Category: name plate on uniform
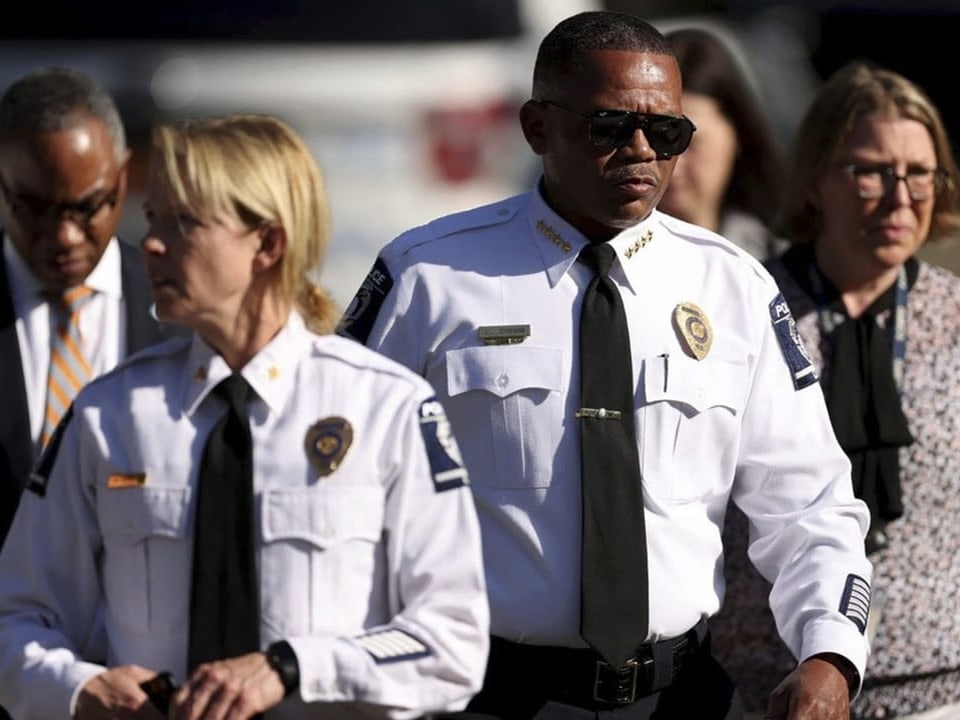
(127, 480)
(503, 334)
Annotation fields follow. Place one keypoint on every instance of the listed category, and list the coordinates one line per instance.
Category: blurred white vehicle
(404, 131)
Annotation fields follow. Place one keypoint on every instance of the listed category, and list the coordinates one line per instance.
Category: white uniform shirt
(731, 423)
(372, 572)
(102, 324)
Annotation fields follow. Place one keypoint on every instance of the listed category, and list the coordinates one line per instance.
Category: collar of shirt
(105, 276)
(560, 243)
(26, 290)
(271, 372)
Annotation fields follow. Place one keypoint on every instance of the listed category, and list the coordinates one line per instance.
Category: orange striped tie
(69, 368)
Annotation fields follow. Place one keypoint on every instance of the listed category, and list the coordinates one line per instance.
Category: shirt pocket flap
(134, 514)
(696, 384)
(323, 516)
(503, 369)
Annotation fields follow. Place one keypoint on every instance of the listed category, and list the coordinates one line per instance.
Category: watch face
(160, 689)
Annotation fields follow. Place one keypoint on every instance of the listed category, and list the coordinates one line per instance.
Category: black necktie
(224, 593)
(613, 578)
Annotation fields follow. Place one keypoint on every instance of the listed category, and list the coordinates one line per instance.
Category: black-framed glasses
(35, 210)
(875, 181)
(668, 135)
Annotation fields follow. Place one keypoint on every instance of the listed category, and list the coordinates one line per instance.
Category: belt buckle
(623, 680)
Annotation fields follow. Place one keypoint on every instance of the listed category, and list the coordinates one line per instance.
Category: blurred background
(410, 105)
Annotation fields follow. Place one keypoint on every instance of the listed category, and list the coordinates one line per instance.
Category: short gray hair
(57, 98)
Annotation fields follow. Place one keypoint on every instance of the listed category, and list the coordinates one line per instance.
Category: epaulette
(703, 236)
(160, 349)
(164, 348)
(342, 350)
(688, 230)
(484, 216)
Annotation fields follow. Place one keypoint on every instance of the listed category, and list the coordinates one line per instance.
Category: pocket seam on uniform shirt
(503, 370)
(129, 519)
(137, 514)
(698, 385)
(344, 513)
(690, 389)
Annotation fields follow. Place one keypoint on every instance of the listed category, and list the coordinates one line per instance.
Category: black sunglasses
(611, 129)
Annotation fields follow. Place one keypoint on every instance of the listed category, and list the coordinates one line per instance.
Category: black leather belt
(580, 677)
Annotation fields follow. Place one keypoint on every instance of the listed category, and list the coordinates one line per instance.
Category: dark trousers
(515, 689)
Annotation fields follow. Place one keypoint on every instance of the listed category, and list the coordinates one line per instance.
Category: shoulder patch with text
(795, 354)
(855, 602)
(446, 463)
(357, 321)
(37, 483)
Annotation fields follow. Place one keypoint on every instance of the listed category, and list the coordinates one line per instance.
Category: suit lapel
(16, 444)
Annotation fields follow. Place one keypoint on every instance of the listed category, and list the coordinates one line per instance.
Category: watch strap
(283, 660)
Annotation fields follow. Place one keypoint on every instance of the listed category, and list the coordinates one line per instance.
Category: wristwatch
(846, 668)
(283, 660)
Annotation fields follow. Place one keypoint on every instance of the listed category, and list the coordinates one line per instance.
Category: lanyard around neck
(827, 323)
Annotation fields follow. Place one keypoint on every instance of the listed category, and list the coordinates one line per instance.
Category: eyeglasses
(875, 181)
(611, 129)
(35, 211)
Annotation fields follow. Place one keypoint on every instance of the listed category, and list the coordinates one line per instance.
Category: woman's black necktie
(613, 580)
(224, 593)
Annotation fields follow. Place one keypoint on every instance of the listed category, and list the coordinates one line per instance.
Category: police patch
(386, 646)
(357, 321)
(37, 483)
(446, 464)
(855, 601)
(799, 362)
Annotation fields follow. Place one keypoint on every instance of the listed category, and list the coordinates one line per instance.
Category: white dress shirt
(102, 324)
(732, 423)
(370, 569)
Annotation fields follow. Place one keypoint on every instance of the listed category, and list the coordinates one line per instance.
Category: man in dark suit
(63, 178)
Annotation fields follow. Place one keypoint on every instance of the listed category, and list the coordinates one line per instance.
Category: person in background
(63, 179)
(615, 376)
(728, 179)
(264, 514)
(871, 179)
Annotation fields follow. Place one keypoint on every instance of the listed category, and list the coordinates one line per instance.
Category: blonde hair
(257, 171)
(856, 90)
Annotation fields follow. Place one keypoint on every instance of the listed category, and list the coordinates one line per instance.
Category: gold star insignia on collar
(552, 235)
(273, 372)
(639, 244)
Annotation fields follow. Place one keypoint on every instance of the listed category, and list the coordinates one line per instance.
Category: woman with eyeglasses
(871, 180)
(728, 179)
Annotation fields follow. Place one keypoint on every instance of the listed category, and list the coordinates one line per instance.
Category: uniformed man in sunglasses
(614, 376)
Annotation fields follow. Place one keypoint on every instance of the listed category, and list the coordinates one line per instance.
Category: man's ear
(532, 124)
(273, 245)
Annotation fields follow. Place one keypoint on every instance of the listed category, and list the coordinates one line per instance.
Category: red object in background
(460, 138)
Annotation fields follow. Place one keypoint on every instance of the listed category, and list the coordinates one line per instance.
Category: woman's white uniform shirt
(370, 569)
